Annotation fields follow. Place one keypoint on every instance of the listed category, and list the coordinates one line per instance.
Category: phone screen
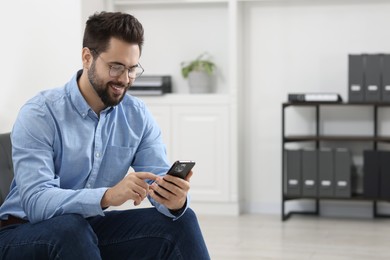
(181, 168)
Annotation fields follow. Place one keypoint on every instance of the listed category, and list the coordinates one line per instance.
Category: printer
(147, 85)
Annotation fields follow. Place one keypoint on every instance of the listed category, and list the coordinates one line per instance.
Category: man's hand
(133, 187)
(172, 191)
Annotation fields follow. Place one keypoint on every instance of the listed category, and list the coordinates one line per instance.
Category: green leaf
(201, 63)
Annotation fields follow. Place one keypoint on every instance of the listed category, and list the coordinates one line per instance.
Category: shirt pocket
(116, 162)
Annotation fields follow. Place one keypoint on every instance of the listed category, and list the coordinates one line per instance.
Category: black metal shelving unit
(317, 138)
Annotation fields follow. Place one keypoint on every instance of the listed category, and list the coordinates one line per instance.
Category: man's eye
(117, 67)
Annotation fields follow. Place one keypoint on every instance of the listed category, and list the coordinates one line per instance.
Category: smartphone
(181, 168)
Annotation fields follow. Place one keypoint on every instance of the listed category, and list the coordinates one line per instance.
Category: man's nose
(124, 78)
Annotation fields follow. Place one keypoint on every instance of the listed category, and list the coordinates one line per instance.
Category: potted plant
(199, 73)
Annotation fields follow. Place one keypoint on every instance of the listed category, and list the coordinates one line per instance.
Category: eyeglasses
(117, 70)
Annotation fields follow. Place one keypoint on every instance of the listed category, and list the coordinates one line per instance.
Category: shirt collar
(77, 98)
(75, 95)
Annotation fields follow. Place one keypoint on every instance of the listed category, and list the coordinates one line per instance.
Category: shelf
(303, 138)
(154, 2)
(357, 197)
(187, 99)
(313, 104)
(320, 138)
(194, 17)
(165, 2)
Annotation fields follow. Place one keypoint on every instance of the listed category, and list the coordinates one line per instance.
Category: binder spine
(384, 175)
(371, 171)
(293, 172)
(355, 78)
(372, 78)
(309, 173)
(343, 166)
(326, 172)
(385, 86)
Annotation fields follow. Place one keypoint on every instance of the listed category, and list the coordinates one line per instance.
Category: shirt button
(83, 114)
(97, 154)
(88, 185)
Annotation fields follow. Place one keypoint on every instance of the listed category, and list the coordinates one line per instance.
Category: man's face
(111, 90)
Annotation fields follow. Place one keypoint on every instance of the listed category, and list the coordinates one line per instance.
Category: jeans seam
(39, 242)
(112, 242)
(35, 243)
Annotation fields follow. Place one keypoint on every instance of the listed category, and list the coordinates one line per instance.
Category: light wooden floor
(300, 237)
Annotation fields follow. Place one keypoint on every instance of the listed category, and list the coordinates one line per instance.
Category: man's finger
(146, 175)
(189, 175)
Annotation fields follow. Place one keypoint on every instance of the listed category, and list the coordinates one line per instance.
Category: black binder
(314, 97)
(293, 172)
(355, 78)
(326, 172)
(372, 78)
(371, 171)
(309, 173)
(385, 174)
(385, 86)
(343, 164)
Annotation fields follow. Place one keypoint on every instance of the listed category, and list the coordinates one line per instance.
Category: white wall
(89, 7)
(297, 46)
(41, 48)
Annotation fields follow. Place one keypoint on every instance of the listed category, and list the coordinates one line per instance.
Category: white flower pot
(199, 82)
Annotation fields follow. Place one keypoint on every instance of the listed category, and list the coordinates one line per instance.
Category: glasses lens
(117, 70)
(136, 72)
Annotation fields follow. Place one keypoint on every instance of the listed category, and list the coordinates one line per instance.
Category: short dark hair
(101, 27)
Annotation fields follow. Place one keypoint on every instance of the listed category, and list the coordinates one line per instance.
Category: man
(72, 148)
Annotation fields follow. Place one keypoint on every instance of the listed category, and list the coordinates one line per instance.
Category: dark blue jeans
(130, 234)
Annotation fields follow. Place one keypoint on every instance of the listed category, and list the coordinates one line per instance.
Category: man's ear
(86, 57)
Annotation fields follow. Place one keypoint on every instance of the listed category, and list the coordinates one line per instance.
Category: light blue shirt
(66, 156)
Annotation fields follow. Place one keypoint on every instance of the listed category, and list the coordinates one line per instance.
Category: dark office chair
(6, 166)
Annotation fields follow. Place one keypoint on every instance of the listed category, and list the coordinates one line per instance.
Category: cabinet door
(162, 114)
(201, 133)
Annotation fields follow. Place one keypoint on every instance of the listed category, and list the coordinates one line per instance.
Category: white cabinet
(200, 133)
(162, 114)
(197, 128)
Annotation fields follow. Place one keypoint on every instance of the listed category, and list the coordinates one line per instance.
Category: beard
(103, 89)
